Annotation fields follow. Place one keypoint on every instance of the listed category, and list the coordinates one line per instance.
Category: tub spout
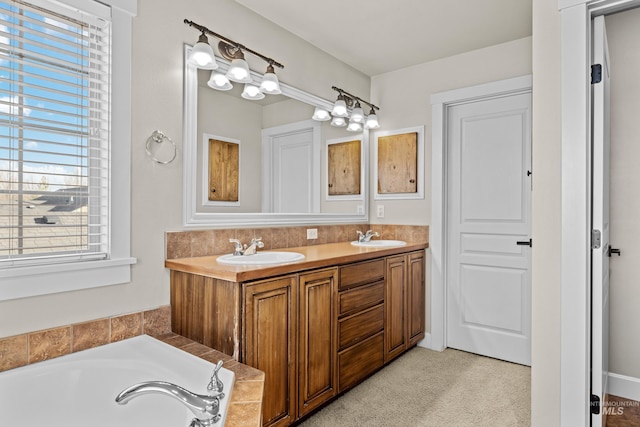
(204, 407)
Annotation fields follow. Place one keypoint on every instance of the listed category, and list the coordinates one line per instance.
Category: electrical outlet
(360, 210)
(312, 233)
(380, 211)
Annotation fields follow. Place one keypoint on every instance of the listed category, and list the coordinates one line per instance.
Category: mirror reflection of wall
(225, 115)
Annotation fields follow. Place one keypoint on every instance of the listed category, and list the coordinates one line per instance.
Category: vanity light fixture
(202, 56)
(252, 92)
(340, 107)
(357, 115)
(219, 81)
(270, 83)
(239, 69)
(354, 127)
(338, 122)
(341, 112)
(372, 120)
(321, 115)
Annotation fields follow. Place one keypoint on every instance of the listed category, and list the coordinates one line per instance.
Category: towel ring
(158, 150)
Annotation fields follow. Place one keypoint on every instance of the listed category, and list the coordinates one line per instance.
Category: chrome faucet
(368, 236)
(215, 385)
(252, 248)
(206, 408)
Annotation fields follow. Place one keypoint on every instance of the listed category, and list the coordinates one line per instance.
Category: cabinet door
(416, 298)
(317, 339)
(395, 304)
(270, 344)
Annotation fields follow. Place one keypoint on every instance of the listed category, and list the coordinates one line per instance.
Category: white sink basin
(380, 243)
(261, 258)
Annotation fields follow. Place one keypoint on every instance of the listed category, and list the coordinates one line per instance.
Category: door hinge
(595, 404)
(596, 73)
(596, 239)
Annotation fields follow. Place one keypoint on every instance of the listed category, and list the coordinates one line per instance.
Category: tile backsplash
(37, 346)
(187, 244)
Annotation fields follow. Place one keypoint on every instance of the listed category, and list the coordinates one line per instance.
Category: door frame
(440, 103)
(575, 353)
(268, 136)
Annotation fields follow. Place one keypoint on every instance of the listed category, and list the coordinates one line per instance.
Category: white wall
(623, 32)
(404, 97)
(158, 38)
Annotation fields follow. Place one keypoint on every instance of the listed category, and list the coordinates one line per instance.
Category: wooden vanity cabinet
(317, 377)
(404, 303)
(269, 343)
(360, 321)
(290, 335)
(315, 333)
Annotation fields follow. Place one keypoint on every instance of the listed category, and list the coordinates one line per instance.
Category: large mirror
(281, 172)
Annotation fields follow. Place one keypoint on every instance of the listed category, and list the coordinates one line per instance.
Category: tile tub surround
(196, 243)
(245, 408)
(37, 346)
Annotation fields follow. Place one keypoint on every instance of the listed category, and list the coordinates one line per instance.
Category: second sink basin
(261, 258)
(380, 243)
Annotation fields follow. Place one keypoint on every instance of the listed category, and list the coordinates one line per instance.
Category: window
(56, 158)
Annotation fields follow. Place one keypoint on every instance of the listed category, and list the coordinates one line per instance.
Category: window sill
(49, 279)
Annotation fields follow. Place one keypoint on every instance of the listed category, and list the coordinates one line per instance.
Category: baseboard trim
(624, 386)
(426, 342)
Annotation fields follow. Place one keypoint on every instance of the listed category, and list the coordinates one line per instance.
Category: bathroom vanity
(315, 327)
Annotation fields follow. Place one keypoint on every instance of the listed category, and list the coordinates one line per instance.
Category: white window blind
(54, 134)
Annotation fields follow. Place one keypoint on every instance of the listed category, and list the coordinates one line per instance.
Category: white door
(489, 227)
(600, 221)
(291, 169)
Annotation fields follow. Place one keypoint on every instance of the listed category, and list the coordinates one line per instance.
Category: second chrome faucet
(252, 248)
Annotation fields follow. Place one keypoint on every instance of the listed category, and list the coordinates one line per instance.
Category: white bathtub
(80, 389)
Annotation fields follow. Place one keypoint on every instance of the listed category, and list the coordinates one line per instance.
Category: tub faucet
(215, 385)
(367, 237)
(204, 407)
(252, 248)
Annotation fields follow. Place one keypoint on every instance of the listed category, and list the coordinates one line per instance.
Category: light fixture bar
(353, 97)
(237, 45)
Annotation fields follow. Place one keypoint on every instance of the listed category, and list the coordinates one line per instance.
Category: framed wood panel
(345, 172)
(221, 171)
(399, 164)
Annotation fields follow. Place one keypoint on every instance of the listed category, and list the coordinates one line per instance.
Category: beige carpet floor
(429, 388)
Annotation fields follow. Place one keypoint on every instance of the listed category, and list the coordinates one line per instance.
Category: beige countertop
(318, 256)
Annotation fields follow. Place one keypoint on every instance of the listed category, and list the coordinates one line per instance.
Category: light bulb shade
(270, 84)
(321, 115)
(357, 115)
(219, 81)
(252, 92)
(354, 127)
(340, 107)
(372, 121)
(338, 122)
(202, 54)
(239, 71)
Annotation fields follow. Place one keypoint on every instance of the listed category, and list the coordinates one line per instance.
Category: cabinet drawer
(359, 361)
(360, 326)
(361, 273)
(360, 297)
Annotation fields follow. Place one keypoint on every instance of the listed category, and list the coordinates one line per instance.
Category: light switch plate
(380, 211)
(312, 233)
